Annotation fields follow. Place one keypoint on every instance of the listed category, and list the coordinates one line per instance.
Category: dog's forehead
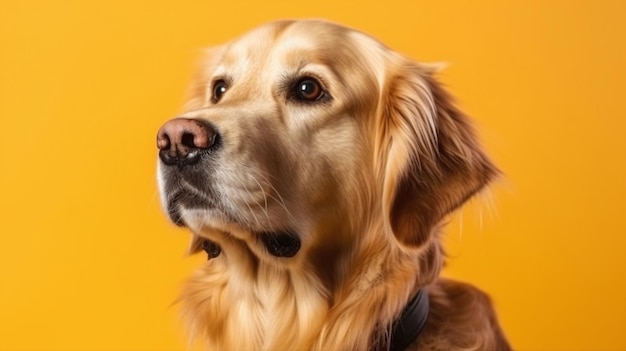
(294, 44)
(312, 40)
(256, 43)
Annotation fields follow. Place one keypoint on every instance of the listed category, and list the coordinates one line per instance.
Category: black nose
(181, 140)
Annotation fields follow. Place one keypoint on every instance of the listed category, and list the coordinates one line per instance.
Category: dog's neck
(404, 329)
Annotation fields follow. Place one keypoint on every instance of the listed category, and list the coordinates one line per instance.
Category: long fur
(366, 177)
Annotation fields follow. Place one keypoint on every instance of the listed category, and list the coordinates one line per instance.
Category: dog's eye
(308, 89)
(219, 88)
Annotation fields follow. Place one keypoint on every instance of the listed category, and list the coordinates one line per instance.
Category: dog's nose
(181, 140)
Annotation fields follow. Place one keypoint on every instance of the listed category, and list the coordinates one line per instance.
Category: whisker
(247, 204)
(280, 200)
(264, 208)
(155, 198)
(460, 214)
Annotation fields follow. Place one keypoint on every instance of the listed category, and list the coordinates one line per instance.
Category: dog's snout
(181, 140)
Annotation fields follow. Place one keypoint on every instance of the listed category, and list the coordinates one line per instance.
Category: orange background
(88, 262)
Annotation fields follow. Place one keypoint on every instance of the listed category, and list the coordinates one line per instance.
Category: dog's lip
(175, 214)
(185, 199)
(279, 242)
(182, 200)
(284, 243)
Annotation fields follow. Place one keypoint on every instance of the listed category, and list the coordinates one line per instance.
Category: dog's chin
(183, 207)
(208, 219)
(281, 243)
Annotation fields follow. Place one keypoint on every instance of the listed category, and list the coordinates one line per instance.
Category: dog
(316, 168)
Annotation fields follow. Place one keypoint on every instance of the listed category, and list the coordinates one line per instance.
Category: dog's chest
(270, 310)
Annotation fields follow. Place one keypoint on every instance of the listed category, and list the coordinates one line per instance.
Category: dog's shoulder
(461, 317)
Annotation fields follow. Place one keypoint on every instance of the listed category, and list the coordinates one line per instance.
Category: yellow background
(88, 262)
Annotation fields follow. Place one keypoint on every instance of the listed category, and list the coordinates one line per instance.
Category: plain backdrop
(88, 261)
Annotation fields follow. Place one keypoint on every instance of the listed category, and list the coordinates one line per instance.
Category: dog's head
(302, 138)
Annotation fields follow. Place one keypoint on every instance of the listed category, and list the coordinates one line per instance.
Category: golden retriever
(316, 167)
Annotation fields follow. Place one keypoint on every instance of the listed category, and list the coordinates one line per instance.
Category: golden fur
(365, 179)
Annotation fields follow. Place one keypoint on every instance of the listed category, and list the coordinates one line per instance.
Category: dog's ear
(433, 160)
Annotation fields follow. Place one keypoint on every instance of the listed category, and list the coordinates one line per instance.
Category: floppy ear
(434, 162)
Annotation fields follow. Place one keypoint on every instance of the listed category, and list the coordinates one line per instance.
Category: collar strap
(410, 323)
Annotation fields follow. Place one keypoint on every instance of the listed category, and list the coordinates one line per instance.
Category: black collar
(410, 323)
(405, 328)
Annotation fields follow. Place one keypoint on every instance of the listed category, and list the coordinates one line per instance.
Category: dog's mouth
(278, 243)
(181, 200)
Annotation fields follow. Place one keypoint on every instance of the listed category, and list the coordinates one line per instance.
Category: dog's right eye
(309, 90)
(219, 88)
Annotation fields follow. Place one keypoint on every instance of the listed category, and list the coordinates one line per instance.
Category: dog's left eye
(308, 89)
(219, 88)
